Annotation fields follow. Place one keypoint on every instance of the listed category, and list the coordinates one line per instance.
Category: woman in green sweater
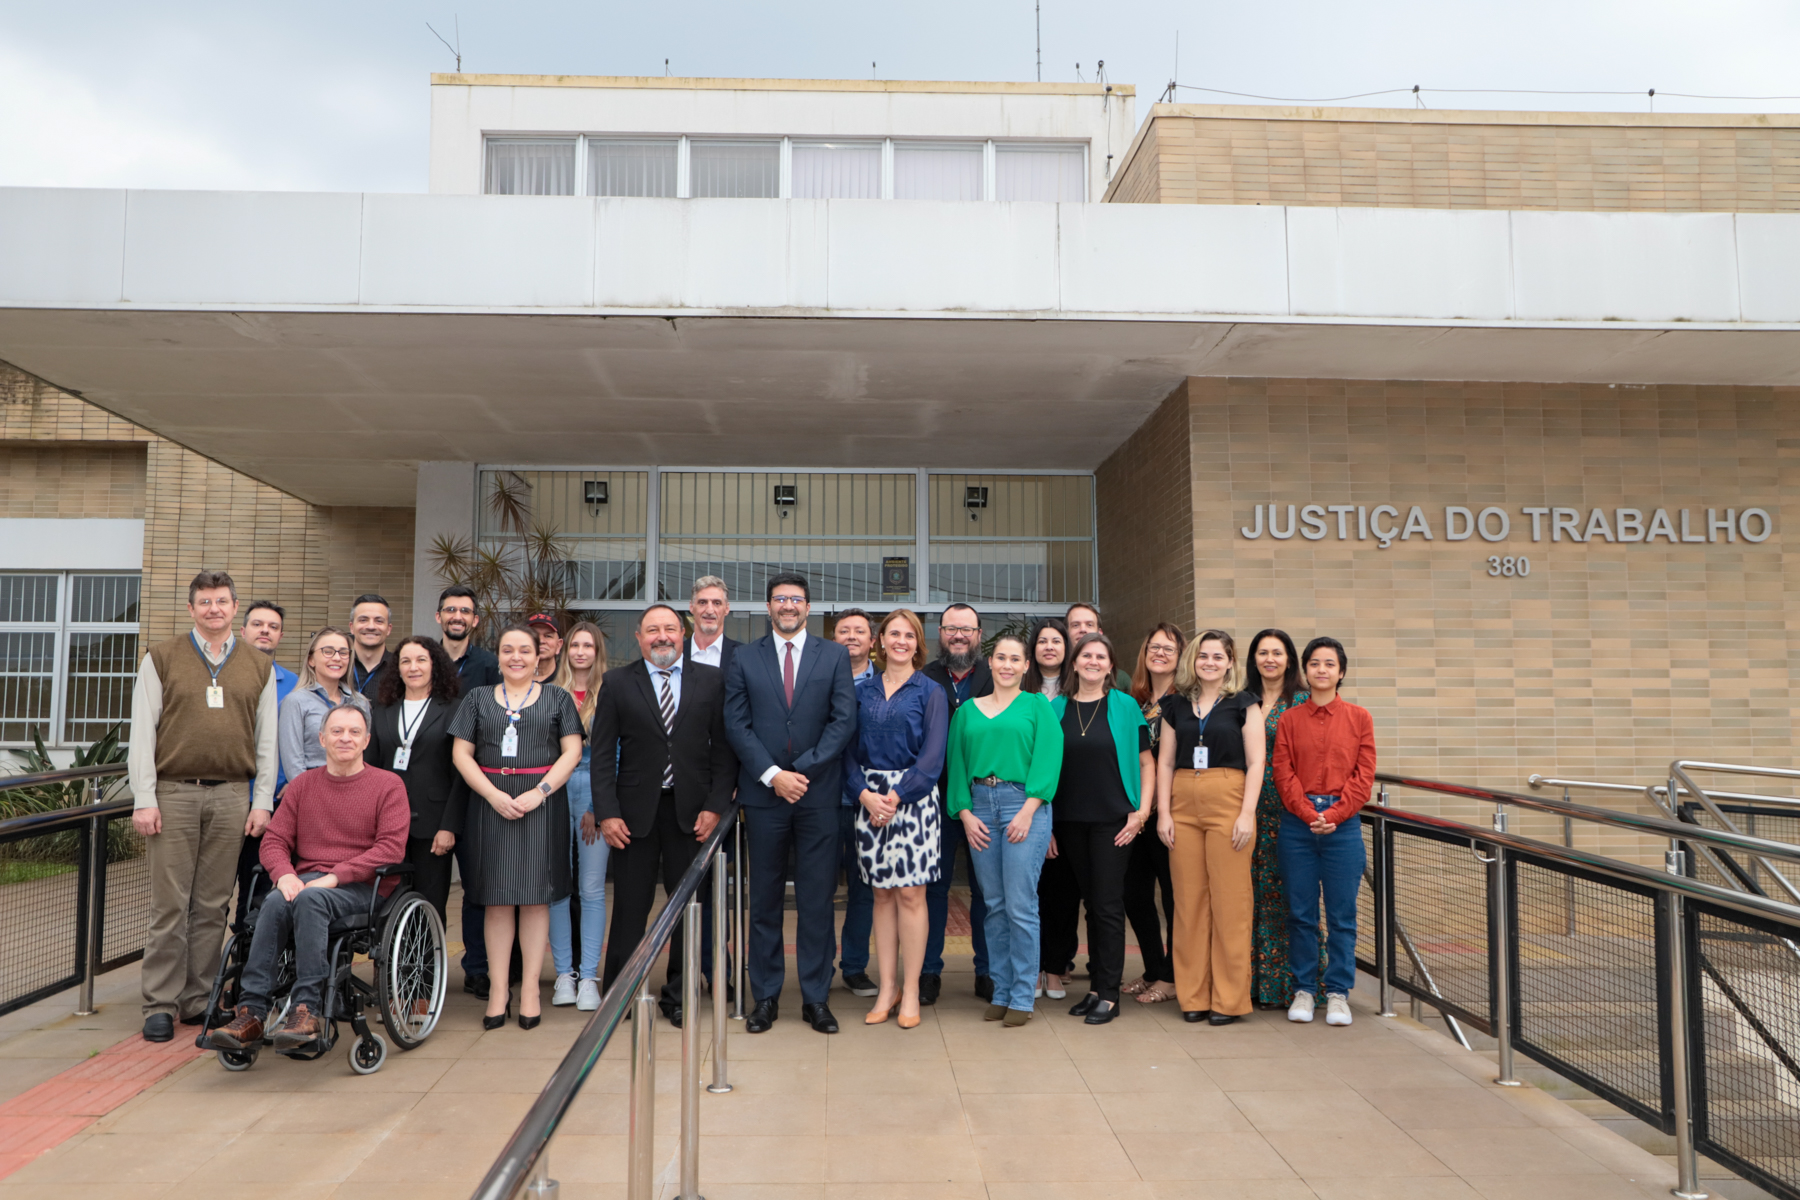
(1005, 758)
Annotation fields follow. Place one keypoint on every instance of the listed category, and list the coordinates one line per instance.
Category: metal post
(690, 1051)
(1418, 1010)
(740, 931)
(1687, 1162)
(1384, 937)
(1568, 880)
(542, 1187)
(1500, 954)
(642, 1171)
(96, 895)
(720, 1024)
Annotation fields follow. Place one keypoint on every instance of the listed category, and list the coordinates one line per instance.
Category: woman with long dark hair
(409, 734)
(1278, 687)
(1049, 674)
(1152, 679)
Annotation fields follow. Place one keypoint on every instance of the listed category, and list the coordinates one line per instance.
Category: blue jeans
(590, 885)
(937, 903)
(1332, 862)
(1008, 874)
(859, 903)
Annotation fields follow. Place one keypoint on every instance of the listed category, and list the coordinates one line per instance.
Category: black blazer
(631, 749)
(437, 792)
(728, 646)
(808, 738)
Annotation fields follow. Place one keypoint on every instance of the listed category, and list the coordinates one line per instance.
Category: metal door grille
(1745, 1001)
(1441, 924)
(1589, 983)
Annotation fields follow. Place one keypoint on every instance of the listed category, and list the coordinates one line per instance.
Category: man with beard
(457, 617)
(855, 632)
(790, 709)
(963, 674)
(662, 774)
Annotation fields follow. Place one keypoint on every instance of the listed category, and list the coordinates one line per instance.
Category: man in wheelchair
(336, 824)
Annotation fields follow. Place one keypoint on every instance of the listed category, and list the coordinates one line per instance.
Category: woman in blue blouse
(891, 770)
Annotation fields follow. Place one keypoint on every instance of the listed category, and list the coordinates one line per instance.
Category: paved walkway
(1147, 1108)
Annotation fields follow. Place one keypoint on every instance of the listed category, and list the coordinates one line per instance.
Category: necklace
(1085, 724)
(512, 710)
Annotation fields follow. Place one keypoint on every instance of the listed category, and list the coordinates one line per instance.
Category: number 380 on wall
(1508, 567)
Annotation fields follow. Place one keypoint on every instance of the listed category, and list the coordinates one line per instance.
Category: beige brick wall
(46, 479)
(371, 550)
(1605, 663)
(1408, 158)
(1145, 527)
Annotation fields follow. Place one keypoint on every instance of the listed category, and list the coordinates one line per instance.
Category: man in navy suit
(790, 709)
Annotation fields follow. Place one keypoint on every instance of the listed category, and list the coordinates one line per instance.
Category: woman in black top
(1153, 685)
(1051, 673)
(1107, 775)
(409, 734)
(516, 745)
(1210, 769)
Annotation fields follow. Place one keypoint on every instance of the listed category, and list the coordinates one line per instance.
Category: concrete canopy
(327, 344)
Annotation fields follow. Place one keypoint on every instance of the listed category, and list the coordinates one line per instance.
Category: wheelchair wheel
(410, 971)
(367, 1054)
(237, 1060)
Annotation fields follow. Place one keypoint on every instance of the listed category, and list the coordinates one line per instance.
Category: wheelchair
(403, 939)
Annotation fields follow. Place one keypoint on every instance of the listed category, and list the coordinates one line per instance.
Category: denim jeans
(859, 902)
(590, 886)
(1310, 862)
(307, 921)
(937, 903)
(1008, 872)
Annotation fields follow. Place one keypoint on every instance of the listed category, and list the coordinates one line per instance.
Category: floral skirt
(1272, 980)
(905, 851)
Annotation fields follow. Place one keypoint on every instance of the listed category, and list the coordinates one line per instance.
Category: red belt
(517, 770)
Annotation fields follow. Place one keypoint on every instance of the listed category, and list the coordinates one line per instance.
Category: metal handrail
(63, 775)
(1538, 781)
(1679, 778)
(1543, 781)
(32, 824)
(518, 1161)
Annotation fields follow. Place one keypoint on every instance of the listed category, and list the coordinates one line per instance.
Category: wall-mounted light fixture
(786, 497)
(975, 499)
(594, 491)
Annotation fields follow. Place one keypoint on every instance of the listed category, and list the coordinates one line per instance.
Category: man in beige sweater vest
(202, 727)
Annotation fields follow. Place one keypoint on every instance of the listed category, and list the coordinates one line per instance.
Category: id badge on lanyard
(509, 742)
(1200, 756)
(402, 756)
(215, 696)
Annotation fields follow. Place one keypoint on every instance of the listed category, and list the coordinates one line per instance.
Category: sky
(333, 96)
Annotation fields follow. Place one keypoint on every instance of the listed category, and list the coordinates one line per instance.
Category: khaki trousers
(1214, 901)
(193, 869)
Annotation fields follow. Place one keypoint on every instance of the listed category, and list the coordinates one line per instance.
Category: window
(1023, 171)
(531, 166)
(837, 171)
(68, 654)
(635, 167)
(735, 168)
(938, 170)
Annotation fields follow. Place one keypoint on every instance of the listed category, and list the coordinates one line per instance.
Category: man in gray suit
(790, 709)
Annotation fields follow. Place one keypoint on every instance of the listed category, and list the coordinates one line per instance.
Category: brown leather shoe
(245, 1030)
(300, 1031)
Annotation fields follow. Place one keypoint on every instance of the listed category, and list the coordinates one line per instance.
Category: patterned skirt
(905, 851)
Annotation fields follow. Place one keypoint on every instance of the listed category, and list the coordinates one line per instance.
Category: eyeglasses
(324, 652)
(789, 601)
(959, 629)
(457, 612)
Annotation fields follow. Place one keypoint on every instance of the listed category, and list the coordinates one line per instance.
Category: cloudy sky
(333, 96)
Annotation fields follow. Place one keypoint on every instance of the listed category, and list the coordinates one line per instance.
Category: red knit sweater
(341, 825)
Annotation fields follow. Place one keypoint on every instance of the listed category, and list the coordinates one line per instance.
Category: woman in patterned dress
(1278, 684)
(891, 770)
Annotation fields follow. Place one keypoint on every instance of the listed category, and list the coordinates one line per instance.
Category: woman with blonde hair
(1209, 773)
(891, 769)
(583, 663)
(322, 686)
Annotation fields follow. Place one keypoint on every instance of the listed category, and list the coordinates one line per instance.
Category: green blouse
(1023, 744)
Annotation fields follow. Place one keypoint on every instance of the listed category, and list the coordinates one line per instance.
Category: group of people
(1065, 781)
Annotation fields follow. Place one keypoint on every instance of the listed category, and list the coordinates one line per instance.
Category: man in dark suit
(708, 605)
(662, 773)
(790, 709)
(963, 674)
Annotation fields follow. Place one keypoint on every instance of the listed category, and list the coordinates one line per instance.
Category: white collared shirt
(709, 655)
(798, 642)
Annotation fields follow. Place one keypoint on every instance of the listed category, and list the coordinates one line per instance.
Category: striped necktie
(667, 702)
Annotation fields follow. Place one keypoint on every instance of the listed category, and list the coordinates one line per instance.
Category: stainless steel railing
(523, 1165)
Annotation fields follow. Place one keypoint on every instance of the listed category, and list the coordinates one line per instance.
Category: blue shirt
(905, 732)
(284, 683)
(656, 681)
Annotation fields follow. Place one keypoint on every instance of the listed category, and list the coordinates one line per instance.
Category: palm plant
(526, 569)
(49, 797)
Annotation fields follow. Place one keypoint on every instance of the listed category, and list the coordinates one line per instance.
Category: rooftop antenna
(1078, 78)
(871, 70)
(1177, 74)
(665, 68)
(456, 49)
(1037, 19)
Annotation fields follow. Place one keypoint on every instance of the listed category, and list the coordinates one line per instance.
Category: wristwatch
(545, 788)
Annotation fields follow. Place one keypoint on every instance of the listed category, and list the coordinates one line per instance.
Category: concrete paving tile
(1188, 1112)
(1234, 1041)
(993, 1041)
(1567, 1187)
(909, 1045)
(124, 1158)
(1069, 1158)
(1058, 1112)
(893, 1157)
(948, 1190)
(1029, 1078)
(1418, 1187)
(744, 1112)
(1217, 1156)
(1269, 1074)
(870, 1077)
(74, 1043)
(487, 1075)
(452, 1112)
(421, 1159)
(1109, 1043)
(747, 1191)
(1338, 1108)
(1234, 1189)
(1507, 1152)
(758, 1158)
(1539, 1106)
(285, 1158)
(1614, 1152)
(204, 1112)
(23, 1074)
(1112, 1189)
(1446, 1108)
(925, 1114)
(11, 1189)
(1365, 1154)
(1139, 1075)
(773, 1076)
(1389, 1071)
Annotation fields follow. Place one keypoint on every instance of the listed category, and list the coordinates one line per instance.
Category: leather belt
(205, 782)
(996, 781)
(517, 770)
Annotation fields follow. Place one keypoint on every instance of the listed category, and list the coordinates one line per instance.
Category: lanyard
(207, 662)
(359, 676)
(406, 732)
(512, 714)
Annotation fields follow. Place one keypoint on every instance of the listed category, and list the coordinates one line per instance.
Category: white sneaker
(1337, 1008)
(588, 998)
(565, 991)
(1302, 1008)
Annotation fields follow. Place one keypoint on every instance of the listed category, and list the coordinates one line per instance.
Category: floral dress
(1272, 983)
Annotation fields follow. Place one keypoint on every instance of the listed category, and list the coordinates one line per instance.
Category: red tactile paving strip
(38, 1120)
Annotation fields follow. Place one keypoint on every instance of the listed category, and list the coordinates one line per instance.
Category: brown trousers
(193, 869)
(1214, 900)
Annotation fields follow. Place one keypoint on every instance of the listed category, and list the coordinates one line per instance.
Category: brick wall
(371, 550)
(1145, 527)
(1406, 158)
(45, 479)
